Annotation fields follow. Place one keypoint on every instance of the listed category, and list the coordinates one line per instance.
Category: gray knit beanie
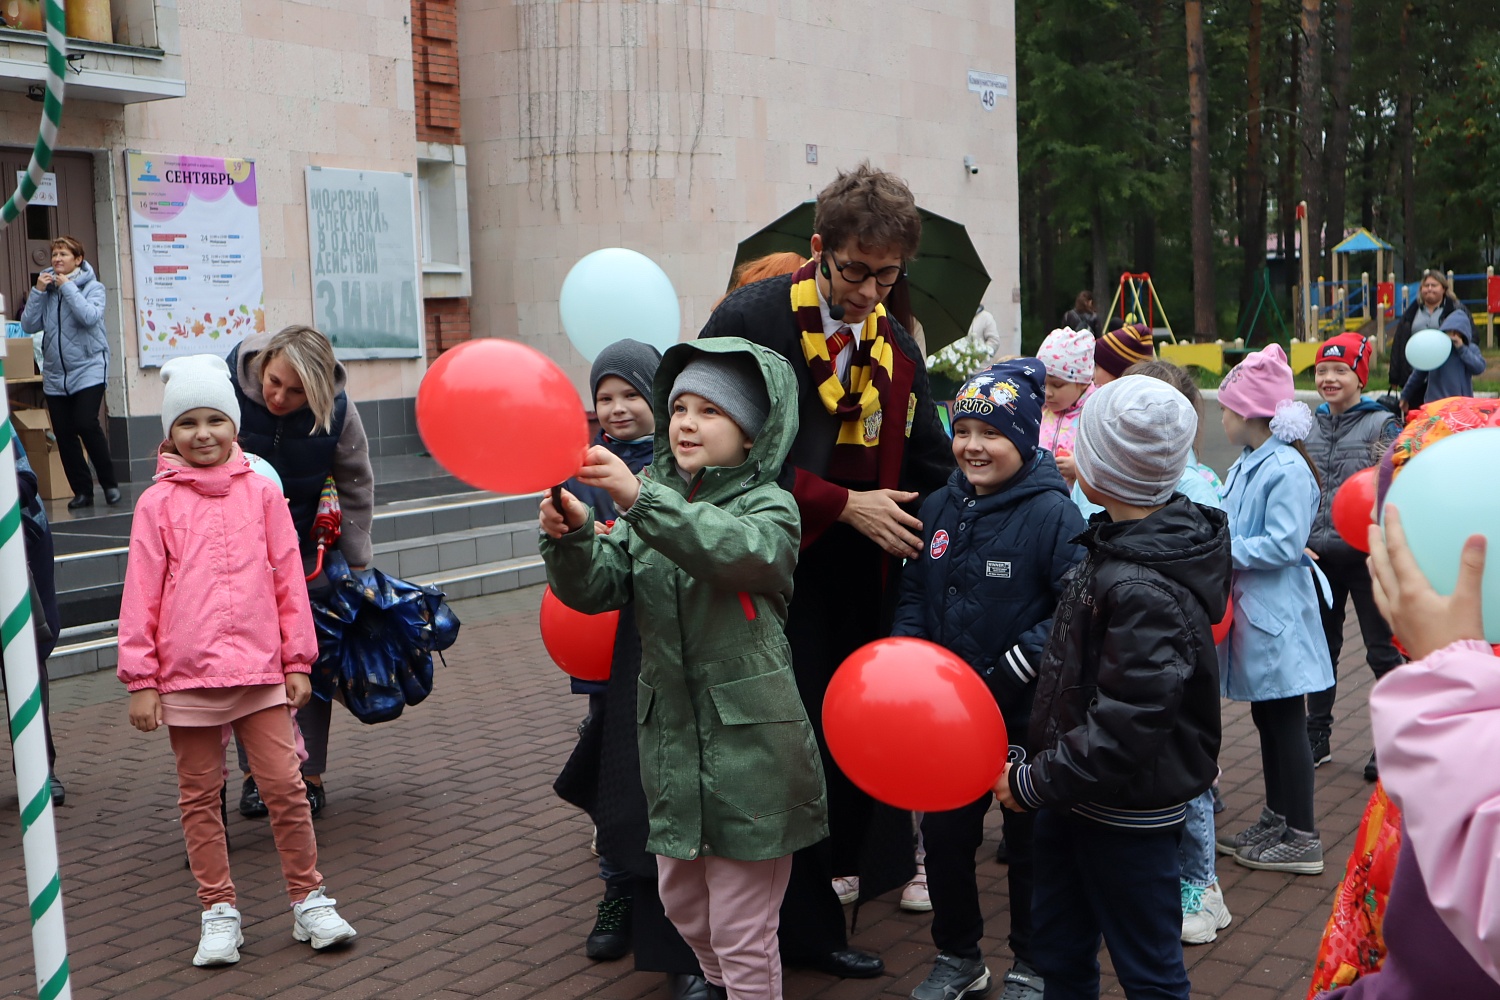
(630, 360)
(732, 382)
(1133, 439)
(193, 381)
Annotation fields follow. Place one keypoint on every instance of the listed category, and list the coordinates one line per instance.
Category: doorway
(26, 244)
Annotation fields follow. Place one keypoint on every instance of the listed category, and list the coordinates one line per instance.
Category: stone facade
(680, 129)
(677, 129)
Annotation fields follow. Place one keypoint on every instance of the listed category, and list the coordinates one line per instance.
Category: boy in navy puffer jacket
(999, 542)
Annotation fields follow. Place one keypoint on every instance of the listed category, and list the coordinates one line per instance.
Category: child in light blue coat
(1275, 653)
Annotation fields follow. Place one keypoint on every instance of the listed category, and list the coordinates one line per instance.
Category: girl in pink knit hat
(1275, 653)
(1069, 357)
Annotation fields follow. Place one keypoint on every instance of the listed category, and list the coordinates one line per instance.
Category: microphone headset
(835, 310)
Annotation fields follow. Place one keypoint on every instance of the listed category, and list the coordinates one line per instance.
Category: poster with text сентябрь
(195, 251)
(361, 234)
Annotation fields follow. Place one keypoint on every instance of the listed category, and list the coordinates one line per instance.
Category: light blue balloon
(264, 468)
(615, 294)
(1428, 349)
(1449, 491)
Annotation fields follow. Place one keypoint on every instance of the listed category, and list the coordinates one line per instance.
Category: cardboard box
(20, 362)
(34, 427)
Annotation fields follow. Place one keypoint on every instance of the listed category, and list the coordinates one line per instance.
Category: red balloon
(1221, 628)
(582, 645)
(501, 416)
(914, 726)
(1353, 505)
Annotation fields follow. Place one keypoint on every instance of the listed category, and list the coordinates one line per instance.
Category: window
(443, 201)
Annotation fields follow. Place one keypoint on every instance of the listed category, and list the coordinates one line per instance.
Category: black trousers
(1095, 881)
(75, 422)
(1349, 577)
(1286, 759)
(952, 839)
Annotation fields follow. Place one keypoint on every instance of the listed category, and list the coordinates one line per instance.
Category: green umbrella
(947, 277)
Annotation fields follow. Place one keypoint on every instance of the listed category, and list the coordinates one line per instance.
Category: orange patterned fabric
(1353, 945)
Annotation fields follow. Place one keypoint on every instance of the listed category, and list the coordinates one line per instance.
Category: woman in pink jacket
(1437, 735)
(215, 628)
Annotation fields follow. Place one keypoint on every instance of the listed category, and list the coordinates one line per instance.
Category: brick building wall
(447, 325)
(434, 44)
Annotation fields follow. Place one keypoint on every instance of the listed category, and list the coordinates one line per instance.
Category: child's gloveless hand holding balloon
(605, 469)
(1424, 620)
(555, 523)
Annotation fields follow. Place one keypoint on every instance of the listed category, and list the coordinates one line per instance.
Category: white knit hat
(194, 381)
(1133, 439)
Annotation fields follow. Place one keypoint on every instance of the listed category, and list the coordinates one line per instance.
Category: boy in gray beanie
(1125, 726)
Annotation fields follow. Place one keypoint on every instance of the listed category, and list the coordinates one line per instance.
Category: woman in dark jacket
(1435, 303)
(295, 414)
(67, 307)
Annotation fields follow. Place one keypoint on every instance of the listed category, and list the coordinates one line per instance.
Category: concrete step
(92, 647)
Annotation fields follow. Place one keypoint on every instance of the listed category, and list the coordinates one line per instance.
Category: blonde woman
(296, 415)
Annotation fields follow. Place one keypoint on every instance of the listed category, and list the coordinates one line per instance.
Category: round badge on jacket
(939, 544)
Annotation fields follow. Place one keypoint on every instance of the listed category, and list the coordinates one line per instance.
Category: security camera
(970, 165)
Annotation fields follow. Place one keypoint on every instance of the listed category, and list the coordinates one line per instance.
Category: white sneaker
(915, 896)
(846, 888)
(1204, 913)
(314, 919)
(221, 940)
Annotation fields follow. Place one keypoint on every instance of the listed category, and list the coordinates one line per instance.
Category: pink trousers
(267, 739)
(728, 912)
(227, 730)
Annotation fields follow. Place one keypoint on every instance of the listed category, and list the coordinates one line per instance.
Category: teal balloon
(1428, 349)
(615, 294)
(1449, 491)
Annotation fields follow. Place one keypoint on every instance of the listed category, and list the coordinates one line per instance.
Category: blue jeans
(1095, 881)
(1197, 851)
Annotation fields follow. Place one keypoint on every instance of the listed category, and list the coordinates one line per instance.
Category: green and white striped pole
(49, 939)
(52, 105)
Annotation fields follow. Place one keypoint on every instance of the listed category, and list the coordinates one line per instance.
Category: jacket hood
(769, 450)
(1363, 406)
(213, 481)
(1038, 476)
(1183, 541)
(243, 368)
(85, 273)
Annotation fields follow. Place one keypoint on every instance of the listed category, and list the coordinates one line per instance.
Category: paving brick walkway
(466, 877)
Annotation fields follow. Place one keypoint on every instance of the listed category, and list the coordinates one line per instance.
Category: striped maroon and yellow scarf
(858, 404)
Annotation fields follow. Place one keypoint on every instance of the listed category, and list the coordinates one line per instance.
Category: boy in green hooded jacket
(705, 546)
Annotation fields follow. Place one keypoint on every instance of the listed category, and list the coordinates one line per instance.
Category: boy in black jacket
(999, 541)
(1125, 727)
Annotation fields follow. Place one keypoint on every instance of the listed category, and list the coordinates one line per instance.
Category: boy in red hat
(1349, 433)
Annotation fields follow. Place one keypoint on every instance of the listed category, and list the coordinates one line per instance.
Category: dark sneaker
(251, 806)
(1372, 773)
(1321, 752)
(60, 794)
(953, 977)
(1295, 852)
(1022, 983)
(610, 938)
(1267, 830)
(317, 798)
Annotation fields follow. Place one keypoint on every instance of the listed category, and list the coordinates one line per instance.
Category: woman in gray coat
(67, 307)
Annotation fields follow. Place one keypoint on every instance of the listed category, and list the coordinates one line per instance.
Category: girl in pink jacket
(1437, 733)
(215, 628)
(1069, 357)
